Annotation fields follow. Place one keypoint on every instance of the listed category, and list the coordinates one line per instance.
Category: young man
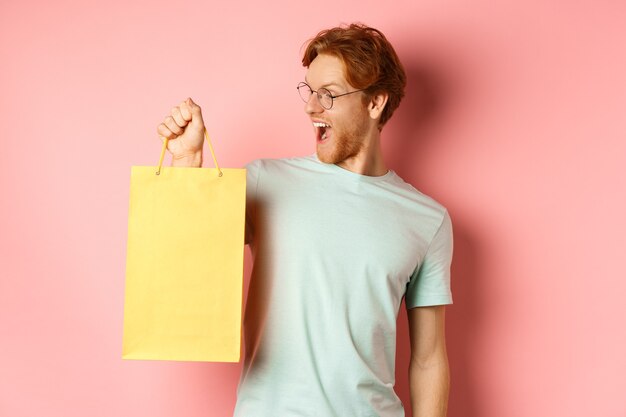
(338, 239)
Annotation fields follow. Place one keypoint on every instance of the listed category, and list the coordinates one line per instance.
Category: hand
(184, 129)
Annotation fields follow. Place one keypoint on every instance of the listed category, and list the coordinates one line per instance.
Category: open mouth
(323, 131)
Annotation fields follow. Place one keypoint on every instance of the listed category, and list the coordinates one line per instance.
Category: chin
(327, 157)
(322, 157)
(343, 147)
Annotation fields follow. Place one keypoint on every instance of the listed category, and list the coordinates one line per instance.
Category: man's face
(348, 118)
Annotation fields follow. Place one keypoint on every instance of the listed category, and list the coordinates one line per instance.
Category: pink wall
(514, 119)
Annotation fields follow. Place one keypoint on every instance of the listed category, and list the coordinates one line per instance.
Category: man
(338, 239)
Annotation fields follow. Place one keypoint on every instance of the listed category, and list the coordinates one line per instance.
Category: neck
(369, 161)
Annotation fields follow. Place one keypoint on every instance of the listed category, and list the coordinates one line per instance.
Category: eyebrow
(331, 85)
(325, 85)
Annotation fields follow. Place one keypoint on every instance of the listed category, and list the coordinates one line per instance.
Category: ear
(377, 104)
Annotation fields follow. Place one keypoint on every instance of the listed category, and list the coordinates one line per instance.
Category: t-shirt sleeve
(252, 181)
(430, 283)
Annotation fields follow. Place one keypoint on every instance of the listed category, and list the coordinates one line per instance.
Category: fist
(184, 129)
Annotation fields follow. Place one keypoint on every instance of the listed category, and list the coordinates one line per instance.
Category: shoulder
(281, 165)
(419, 200)
(421, 212)
(280, 162)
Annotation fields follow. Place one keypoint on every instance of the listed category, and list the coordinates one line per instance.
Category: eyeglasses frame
(332, 97)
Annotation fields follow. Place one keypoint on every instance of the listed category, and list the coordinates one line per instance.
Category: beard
(346, 143)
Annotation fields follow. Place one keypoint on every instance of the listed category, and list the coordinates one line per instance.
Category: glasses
(324, 96)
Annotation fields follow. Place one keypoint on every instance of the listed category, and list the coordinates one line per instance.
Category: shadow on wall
(411, 128)
(410, 137)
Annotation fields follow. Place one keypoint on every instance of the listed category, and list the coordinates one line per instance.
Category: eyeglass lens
(323, 95)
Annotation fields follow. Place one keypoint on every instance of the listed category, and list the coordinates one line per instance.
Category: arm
(429, 377)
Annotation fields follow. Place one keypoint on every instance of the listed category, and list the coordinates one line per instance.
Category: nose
(313, 105)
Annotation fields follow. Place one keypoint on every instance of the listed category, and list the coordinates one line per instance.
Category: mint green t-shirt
(334, 253)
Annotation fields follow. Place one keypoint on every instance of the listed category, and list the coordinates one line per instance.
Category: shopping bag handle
(158, 172)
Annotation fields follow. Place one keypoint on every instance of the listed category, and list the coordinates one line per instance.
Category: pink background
(514, 119)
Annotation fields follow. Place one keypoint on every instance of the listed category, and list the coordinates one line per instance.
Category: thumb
(196, 114)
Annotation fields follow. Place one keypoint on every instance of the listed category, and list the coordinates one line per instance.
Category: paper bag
(184, 264)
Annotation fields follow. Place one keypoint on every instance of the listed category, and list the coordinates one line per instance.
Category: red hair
(370, 61)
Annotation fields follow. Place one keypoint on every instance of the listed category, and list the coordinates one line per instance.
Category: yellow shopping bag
(184, 263)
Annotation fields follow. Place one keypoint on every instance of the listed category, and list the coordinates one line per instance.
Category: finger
(163, 131)
(195, 109)
(196, 113)
(171, 124)
(178, 118)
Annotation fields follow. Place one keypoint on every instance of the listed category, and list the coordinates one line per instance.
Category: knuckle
(164, 131)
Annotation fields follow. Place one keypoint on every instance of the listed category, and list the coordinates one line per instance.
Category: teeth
(318, 124)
